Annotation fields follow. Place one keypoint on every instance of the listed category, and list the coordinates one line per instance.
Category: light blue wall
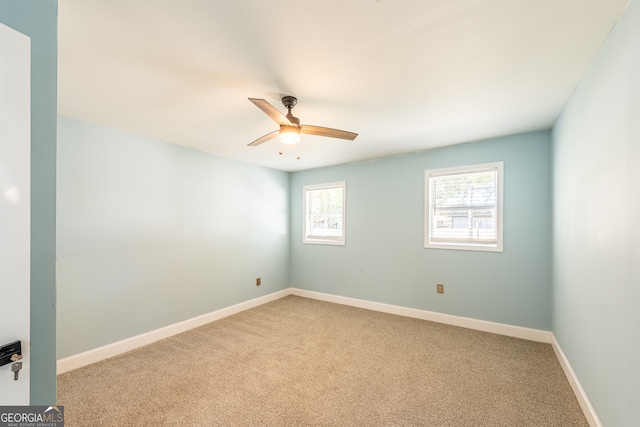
(596, 220)
(384, 259)
(39, 21)
(150, 234)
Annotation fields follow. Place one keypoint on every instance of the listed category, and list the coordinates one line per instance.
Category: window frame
(307, 238)
(466, 245)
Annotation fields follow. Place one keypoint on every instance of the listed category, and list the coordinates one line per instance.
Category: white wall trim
(92, 356)
(588, 410)
(110, 350)
(95, 355)
(464, 322)
(479, 325)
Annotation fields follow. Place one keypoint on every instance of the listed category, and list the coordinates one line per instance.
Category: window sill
(464, 247)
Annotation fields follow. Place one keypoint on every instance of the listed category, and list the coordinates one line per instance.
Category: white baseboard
(479, 325)
(464, 322)
(110, 350)
(114, 349)
(92, 356)
(588, 410)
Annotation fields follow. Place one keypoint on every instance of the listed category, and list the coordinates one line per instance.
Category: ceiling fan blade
(265, 138)
(331, 133)
(271, 111)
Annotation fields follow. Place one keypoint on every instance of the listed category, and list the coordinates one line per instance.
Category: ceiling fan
(290, 127)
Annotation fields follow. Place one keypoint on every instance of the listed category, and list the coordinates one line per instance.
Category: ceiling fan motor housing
(294, 120)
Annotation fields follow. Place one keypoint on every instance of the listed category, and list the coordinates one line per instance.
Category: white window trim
(329, 240)
(465, 246)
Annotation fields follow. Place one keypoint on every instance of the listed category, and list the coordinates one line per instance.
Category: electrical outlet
(258, 281)
(440, 288)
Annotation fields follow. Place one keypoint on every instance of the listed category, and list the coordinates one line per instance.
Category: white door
(15, 210)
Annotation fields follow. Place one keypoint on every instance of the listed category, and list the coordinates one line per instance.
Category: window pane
(324, 213)
(464, 206)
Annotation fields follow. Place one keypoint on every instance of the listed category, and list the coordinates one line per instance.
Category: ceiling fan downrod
(289, 102)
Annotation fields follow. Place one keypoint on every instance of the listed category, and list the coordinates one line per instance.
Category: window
(464, 208)
(324, 213)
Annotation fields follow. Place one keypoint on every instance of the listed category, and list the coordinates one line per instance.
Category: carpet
(303, 362)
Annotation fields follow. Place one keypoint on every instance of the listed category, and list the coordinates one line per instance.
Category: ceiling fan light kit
(290, 128)
(289, 134)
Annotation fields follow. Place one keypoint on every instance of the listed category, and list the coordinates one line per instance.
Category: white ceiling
(407, 75)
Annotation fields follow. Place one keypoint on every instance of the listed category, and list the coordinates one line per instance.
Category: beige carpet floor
(301, 362)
